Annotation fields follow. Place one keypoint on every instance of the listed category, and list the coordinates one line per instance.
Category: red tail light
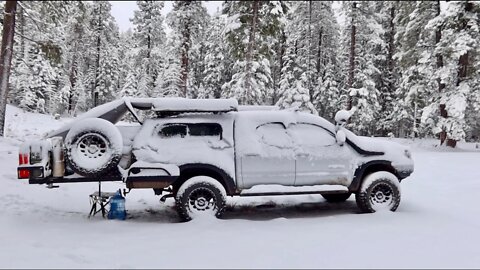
(22, 159)
(23, 173)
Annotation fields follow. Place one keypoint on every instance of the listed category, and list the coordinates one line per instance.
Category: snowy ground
(436, 226)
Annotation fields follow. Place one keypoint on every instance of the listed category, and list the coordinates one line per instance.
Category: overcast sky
(123, 11)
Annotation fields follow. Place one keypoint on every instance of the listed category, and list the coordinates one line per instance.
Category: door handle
(252, 155)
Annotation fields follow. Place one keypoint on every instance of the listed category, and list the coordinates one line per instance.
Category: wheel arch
(368, 168)
(188, 171)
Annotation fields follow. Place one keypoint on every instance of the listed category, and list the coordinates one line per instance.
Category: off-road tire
(379, 189)
(93, 139)
(194, 189)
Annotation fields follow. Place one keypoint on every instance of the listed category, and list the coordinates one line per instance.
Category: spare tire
(93, 147)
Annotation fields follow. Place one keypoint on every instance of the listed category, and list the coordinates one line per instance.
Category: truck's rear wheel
(200, 196)
(379, 191)
(93, 147)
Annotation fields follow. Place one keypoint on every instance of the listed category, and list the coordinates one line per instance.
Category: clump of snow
(342, 116)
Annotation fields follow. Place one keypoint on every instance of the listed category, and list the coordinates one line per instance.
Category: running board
(293, 193)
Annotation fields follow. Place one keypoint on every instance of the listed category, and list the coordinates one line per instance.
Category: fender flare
(190, 170)
(369, 167)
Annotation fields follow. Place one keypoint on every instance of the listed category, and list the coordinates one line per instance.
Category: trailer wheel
(93, 147)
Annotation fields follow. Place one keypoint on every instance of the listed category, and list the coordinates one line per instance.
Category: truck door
(320, 160)
(273, 162)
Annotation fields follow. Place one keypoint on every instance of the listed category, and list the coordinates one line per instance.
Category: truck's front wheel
(379, 191)
(200, 196)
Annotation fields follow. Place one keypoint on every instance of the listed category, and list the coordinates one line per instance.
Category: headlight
(408, 154)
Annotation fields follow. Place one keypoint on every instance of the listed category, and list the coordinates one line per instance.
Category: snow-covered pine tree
(73, 47)
(103, 53)
(387, 78)
(294, 81)
(416, 63)
(169, 82)
(40, 28)
(188, 22)
(327, 74)
(150, 39)
(458, 45)
(35, 82)
(251, 27)
(216, 59)
(362, 38)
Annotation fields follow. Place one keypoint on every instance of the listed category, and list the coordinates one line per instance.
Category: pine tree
(188, 21)
(216, 60)
(458, 46)
(416, 63)
(150, 39)
(103, 63)
(256, 22)
(293, 85)
(362, 40)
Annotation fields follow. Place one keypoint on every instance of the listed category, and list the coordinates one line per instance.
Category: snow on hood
(396, 153)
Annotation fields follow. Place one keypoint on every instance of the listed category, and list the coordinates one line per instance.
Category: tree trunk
(281, 52)
(184, 59)
(95, 86)
(443, 112)
(391, 51)
(463, 59)
(309, 71)
(250, 48)
(73, 81)
(319, 50)
(351, 66)
(6, 57)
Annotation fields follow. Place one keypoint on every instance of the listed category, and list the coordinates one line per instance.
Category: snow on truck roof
(113, 111)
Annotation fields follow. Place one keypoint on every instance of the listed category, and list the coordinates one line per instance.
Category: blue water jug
(117, 207)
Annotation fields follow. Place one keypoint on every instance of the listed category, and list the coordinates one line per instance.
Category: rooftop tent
(115, 110)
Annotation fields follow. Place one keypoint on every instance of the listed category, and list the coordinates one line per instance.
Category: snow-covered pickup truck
(201, 151)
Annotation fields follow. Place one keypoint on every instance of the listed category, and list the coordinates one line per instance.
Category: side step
(292, 193)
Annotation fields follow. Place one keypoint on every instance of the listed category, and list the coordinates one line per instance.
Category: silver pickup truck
(201, 151)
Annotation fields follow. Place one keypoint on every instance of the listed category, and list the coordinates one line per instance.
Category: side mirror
(342, 116)
(341, 137)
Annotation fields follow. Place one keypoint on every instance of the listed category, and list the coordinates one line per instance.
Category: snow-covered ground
(436, 226)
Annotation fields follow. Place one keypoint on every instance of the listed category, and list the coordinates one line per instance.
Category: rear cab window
(182, 130)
